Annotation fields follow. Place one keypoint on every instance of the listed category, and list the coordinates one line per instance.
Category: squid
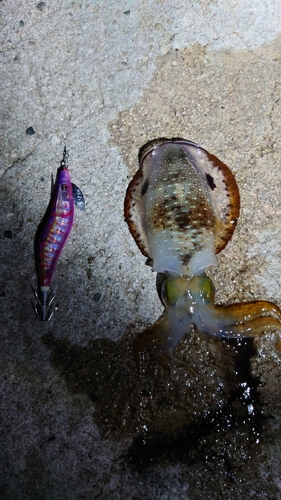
(182, 207)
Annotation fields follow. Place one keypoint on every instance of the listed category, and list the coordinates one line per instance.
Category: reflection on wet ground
(211, 421)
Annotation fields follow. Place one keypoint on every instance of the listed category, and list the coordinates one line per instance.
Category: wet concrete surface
(77, 420)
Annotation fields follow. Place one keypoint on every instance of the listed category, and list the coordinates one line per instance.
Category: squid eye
(64, 187)
(173, 289)
(206, 289)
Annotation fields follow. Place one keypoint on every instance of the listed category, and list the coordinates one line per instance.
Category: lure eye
(64, 187)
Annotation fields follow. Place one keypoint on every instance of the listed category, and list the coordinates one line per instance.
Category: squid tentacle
(160, 338)
(253, 328)
(240, 319)
(190, 304)
(246, 311)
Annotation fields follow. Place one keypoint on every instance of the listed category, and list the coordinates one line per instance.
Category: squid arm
(245, 319)
(190, 304)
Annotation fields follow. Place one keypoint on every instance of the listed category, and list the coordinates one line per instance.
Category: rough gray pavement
(103, 78)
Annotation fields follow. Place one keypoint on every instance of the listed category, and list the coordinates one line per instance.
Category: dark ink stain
(209, 439)
(210, 181)
(152, 410)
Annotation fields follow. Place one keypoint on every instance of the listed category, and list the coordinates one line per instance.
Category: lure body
(53, 234)
(182, 207)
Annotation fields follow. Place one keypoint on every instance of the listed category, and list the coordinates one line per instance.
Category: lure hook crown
(44, 308)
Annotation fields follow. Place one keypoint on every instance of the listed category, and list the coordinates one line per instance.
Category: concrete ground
(103, 78)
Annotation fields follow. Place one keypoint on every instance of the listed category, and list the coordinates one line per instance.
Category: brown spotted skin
(181, 204)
